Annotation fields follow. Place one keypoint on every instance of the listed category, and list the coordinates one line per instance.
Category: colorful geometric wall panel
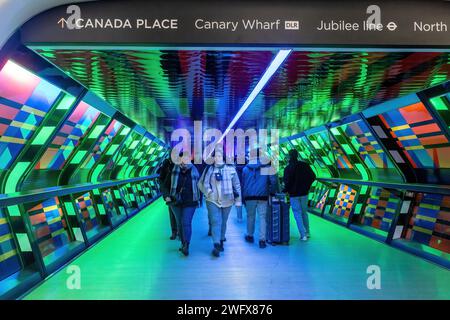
(102, 144)
(120, 158)
(87, 212)
(366, 145)
(109, 203)
(120, 201)
(348, 162)
(49, 226)
(418, 135)
(68, 137)
(318, 195)
(344, 201)
(430, 221)
(25, 99)
(442, 105)
(139, 193)
(380, 209)
(321, 203)
(127, 197)
(321, 145)
(9, 258)
(305, 150)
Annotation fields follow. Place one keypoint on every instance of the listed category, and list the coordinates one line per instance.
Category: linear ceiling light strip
(273, 67)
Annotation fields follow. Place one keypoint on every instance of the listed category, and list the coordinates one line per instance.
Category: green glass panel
(66, 102)
(15, 176)
(69, 208)
(438, 103)
(24, 242)
(78, 157)
(96, 132)
(14, 211)
(44, 134)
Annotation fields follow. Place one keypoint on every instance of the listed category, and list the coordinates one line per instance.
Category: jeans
(184, 217)
(300, 209)
(218, 218)
(239, 212)
(260, 206)
(173, 222)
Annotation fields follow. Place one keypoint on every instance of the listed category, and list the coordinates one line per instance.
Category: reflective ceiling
(164, 90)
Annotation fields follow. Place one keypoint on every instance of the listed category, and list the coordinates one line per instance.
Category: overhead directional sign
(311, 23)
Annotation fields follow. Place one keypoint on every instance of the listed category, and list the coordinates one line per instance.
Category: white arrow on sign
(62, 21)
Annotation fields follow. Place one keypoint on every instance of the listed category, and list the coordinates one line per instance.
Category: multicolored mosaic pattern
(9, 258)
(108, 202)
(344, 201)
(419, 136)
(68, 137)
(317, 193)
(25, 99)
(120, 201)
(49, 226)
(321, 204)
(347, 160)
(309, 90)
(367, 146)
(128, 198)
(380, 209)
(87, 212)
(322, 147)
(101, 144)
(120, 158)
(430, 221)
(305, 150)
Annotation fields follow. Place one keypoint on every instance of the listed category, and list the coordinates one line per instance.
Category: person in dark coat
(184, 199)
(298, 178)
(165, 172)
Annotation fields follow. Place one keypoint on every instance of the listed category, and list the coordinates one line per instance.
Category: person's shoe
(216, 250)
(305, 238)
(249, 239)
(185, 249)
(308, 235)
(221, 248)
(262, 244)
(173, 236)
(181, 248)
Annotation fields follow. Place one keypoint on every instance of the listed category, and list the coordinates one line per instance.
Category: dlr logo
(374, 280)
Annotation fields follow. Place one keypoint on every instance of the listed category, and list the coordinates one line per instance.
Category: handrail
(431, 188)
(46, 193)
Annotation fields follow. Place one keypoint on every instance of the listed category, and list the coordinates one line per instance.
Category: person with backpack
(298, 178)
(257, 189)
(184, 199)
(165, 174)
(222, 189)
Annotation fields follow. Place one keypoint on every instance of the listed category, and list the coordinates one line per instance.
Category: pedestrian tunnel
(85, 126)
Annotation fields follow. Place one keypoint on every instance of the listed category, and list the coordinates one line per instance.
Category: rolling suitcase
(278, 220)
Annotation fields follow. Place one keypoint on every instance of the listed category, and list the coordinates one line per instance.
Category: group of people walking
(223, 186)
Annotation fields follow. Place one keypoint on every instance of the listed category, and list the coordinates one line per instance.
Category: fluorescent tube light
(273, 67)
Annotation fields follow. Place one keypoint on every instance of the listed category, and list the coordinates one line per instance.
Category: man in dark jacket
(256, 191)
(298, 178)
(165, 172)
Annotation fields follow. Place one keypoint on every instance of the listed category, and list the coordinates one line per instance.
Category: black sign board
(314, 23)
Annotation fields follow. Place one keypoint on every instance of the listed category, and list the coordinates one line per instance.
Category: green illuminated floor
(139, 262)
